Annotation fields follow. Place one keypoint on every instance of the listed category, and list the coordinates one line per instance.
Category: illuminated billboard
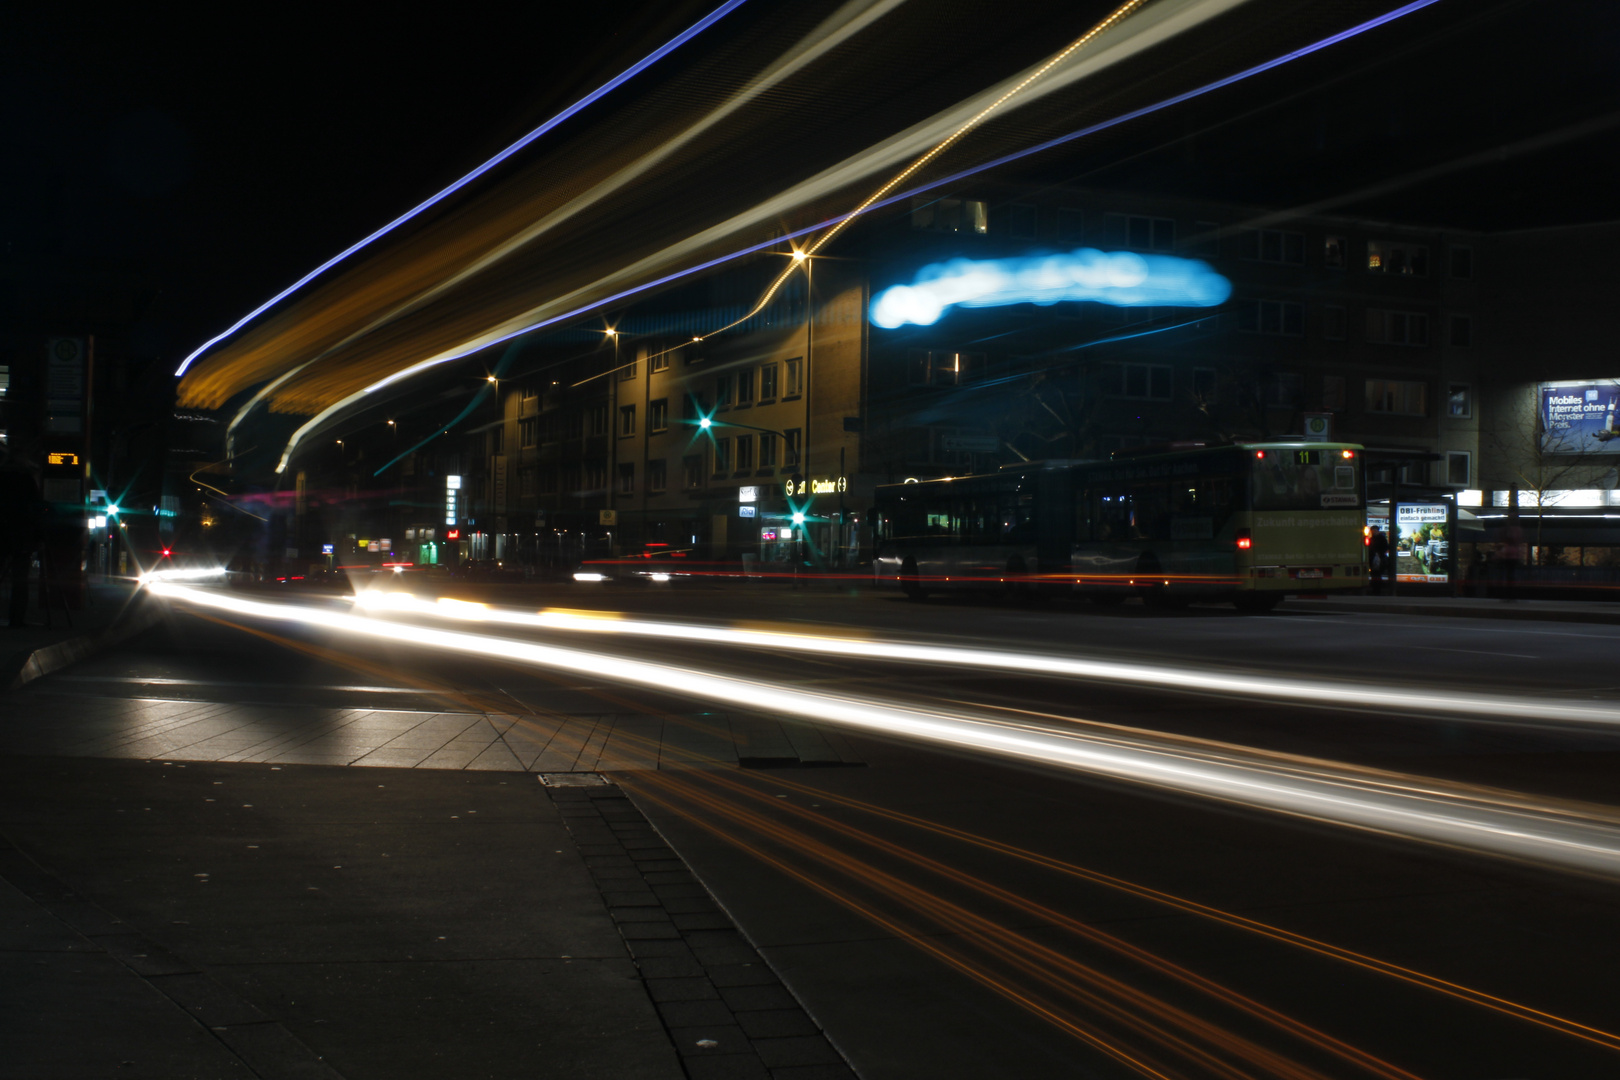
(1118, 278)
(1579, 417)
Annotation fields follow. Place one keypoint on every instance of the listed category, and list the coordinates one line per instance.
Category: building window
(1387, 257)
(692, 466)
(767, 450)
(1398, 398)
(1206, 239)
(1462, 262)
(1143, 233)
(1462, 331)
(548, 480)
(1333, 252)
(722, 456)
(1459, 468)
(596, 476)
(1415, 473)
(950, 215)
(1283, 390)
(1397, 327)
(1335, 324)
(745, 387)
(1021, 220)
(658, 362)
(528, 431)
(574, 424)
(1273, 246)
(767, 383)
(657, 475)
(745, 453)
(793, 378)
(658, 415)
(627, 420)
(1070, 223)
(1271, 317)
(1459, 401)
(1149, 382)
(1334, 393)
(627, 479)
(525, 482)
(941, 368)
(627, 371)
(599, 419)
(790, 449)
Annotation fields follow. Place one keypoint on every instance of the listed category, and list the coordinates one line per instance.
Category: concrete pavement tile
(86, 1015)
(813, 1072)
(719, 956)
(207, 1000)
(796, 1050)
(275, 1053)
(694, 1012)
(141, 956)
(753, 997)
(681, 989)
(776, 1023)
(728, 1067)
(669, 967)
(725, 1039)
(394, 757)
(744, 974)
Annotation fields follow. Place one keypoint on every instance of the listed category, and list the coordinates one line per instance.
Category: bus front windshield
(1305, 480)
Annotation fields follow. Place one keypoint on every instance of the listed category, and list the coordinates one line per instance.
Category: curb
(51, 658)
(1499, 610)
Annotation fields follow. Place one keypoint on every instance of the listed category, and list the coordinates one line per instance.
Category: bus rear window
(1305, 480)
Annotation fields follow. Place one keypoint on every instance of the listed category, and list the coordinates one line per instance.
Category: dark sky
(200, 165)
(194, 167)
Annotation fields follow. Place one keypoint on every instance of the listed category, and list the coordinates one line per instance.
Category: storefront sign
(747, 511)
(747, 495)
(1579, 417)
(826, 486)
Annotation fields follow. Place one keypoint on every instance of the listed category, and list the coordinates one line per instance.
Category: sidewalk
(113, 610)
(1461, 607)
(163, 919)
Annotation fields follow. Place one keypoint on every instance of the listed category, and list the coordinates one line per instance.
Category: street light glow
(705, 423)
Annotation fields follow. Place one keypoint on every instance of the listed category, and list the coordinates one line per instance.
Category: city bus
(1247, 523)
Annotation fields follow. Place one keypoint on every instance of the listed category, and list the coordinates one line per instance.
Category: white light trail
(595, 95)
(1494, 823)
(1316, 692)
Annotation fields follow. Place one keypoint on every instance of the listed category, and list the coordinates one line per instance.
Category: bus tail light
(1347, 454)
(1366, 536)
(1245, 540)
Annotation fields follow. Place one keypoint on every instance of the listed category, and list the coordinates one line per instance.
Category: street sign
(1318, 427)
(607, 517)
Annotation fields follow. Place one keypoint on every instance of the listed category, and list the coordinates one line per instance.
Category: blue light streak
(764, 245)
(754, 249)
(589, 99)
(1120, 279)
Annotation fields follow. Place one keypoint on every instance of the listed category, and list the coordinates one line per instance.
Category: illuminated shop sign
(748, 494)
(830, 485)
(1579, 417)
(1119, 278)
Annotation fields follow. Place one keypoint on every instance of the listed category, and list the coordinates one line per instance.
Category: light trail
(1160, 22)
(589, 99)
(464, 698)
(1321, 692)
(1411, 808)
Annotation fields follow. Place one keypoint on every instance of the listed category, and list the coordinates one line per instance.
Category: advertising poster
(1579, 418)
(1421, 539)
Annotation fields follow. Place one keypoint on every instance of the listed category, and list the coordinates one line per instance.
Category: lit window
(1386, 257)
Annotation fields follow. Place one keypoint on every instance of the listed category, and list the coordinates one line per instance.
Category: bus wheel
(908, 581)
(1256, 603)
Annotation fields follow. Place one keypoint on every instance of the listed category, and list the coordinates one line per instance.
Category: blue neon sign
(1119, 278)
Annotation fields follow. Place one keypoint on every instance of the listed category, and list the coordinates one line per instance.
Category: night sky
(176, 172)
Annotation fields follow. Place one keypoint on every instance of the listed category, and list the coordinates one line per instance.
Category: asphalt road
(944, 912)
